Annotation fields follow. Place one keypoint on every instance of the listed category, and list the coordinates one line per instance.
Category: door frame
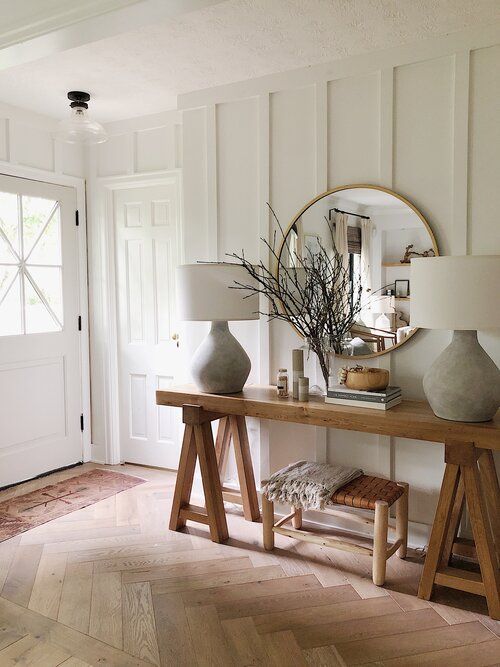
(105, 187)
(42, 176)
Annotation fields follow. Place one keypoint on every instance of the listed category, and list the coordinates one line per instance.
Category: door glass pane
(47, 249)
(48, 281)
(10, 311)
(38, 318)
(30, 258)
(9, 226)
(36, 213)
(7, 275)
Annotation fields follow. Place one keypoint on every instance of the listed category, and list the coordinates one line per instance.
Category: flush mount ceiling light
(79, 128)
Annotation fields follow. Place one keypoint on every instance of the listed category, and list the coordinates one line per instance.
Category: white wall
(422, 120)
(26, 139)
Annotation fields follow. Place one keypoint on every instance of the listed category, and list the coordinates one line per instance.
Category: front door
(40, 376)
(147, 224)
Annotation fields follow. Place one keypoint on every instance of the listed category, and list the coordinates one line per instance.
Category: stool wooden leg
(297, 519)
(184, 482)
(267, 523)
(402, 520)
(380, 542)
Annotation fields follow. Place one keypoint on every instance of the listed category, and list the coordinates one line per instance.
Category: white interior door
(147, 223)
(40, 376)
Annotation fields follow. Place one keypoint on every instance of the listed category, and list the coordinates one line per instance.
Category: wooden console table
(470, 474)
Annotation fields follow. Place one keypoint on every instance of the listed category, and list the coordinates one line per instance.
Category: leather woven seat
(363, 491)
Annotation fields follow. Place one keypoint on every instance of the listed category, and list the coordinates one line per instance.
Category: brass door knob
(176, 337)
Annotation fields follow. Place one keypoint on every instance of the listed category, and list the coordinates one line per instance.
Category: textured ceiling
(141, 72)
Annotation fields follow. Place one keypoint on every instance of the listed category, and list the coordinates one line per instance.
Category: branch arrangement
(313, 293)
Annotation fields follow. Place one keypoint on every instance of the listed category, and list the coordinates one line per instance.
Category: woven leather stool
(367, 493)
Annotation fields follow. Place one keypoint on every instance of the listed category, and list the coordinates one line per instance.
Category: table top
(409, 419)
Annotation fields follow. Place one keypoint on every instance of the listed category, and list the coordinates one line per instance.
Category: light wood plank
(174, 638)
(203, 581)
(76, 596)
(190, 569)
(21, 576)
(323, 656)
(139, 630)
(47, 588)
(377, 624)
(299, 620)
(211, 645)
(133, 551)
(282, 602)
(249, 591)
(30, 651)
(8, 635)
(147, 562)
(106, 608)
(282, 649)
(484, 654)
(412, 643)
(245, 644)
(75, 643)
(75, 662)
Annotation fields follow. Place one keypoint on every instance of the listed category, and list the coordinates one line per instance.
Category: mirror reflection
(374, 233)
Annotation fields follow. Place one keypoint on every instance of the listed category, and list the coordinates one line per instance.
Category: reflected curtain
(341, 238)
(366, 251)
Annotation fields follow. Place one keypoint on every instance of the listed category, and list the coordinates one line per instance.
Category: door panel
(146, 224)
(40, 375)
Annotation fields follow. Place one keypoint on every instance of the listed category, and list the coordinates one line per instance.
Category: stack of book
(378, 400)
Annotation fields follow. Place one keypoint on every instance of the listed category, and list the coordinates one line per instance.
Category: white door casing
(146, 253)
(40, 366)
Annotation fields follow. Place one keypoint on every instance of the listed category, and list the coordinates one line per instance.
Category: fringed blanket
(307, 484)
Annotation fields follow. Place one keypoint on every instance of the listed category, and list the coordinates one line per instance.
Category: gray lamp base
(463, 384)
(220, 365)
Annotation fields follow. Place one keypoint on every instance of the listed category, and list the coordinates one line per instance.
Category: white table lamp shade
(204, 294)
(456, 293)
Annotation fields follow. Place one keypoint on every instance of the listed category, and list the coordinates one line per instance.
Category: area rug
(21, 513)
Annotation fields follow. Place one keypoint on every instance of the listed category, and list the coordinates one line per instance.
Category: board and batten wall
(420, 119)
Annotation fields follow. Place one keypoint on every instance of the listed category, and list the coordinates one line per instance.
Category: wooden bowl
(368, 379)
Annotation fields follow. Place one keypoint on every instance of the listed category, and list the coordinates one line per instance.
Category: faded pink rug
(24, 512)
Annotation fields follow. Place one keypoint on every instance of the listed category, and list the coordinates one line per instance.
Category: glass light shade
(80, 129)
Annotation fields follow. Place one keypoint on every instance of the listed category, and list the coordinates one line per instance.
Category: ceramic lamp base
(220, 365)
(463, 384)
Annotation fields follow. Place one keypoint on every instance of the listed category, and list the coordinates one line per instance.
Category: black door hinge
(79, 322)
(77, 219)
(81, 423)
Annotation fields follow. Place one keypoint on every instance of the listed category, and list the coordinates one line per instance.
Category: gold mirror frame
(366, 187)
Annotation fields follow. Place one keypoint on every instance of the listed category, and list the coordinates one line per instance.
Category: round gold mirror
(374, 232)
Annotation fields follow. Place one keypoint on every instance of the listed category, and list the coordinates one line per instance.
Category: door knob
(176, 337)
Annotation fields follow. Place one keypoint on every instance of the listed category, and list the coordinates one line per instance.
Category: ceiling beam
(94, 28)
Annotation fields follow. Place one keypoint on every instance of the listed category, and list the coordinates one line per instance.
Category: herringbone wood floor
(110, 585)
